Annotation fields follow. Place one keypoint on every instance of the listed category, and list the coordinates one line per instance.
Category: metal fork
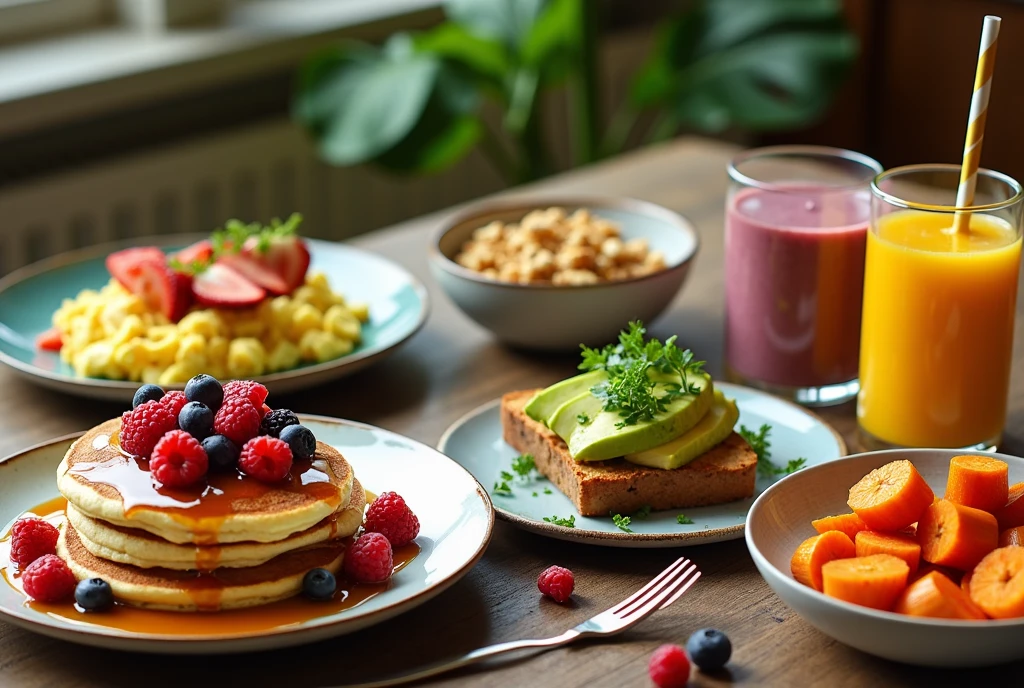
(667, 587)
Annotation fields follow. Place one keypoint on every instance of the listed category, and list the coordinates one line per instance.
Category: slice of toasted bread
(726, 473)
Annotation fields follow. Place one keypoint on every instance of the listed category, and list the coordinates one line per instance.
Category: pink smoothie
(794, 276)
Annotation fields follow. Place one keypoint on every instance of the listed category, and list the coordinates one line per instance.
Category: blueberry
(222, 453)
(147, 393)
(709, 649)
(319, 584)
(301, 440)
(206, 390)
(196, 419)
(276, 421)
(94, 594)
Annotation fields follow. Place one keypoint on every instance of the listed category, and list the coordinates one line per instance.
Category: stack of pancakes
(232, 543)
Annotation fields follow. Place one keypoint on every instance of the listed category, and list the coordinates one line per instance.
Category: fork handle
(472, 658)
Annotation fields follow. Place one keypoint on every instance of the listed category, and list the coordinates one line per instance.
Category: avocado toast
(643, 426)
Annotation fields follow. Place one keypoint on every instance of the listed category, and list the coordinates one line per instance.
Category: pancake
(145, 550)
(276, 579)
(102, 482)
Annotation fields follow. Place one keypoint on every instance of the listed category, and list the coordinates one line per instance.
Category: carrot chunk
(955, 535)
(980, 482)
(905, 547)
(851, 524)
(891, 497)
(925, 568)
(1012, 514)
(876, 581)
(937, 597)
(815, 552)
(965, 582)
(1012, 537)
(997, 584)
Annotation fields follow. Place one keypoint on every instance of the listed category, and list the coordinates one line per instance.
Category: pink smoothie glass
(796, 221)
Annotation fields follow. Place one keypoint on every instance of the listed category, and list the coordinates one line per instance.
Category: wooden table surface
(449, 368)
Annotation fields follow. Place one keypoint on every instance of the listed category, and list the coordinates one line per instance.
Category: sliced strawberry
(219, 285)
(200, 252)
(124, 265)
(50, 340)
(163, 289)
(280, 268)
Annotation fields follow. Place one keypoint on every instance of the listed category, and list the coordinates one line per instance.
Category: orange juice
(937, 329)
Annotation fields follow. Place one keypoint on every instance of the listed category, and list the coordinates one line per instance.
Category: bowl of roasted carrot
(915, 555)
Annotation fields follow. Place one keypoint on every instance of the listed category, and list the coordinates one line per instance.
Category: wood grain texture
(449, 368)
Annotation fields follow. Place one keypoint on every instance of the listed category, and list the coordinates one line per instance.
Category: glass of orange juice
(939, 308)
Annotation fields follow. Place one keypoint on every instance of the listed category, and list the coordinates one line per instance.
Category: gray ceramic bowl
(780, 520)
(563, 317)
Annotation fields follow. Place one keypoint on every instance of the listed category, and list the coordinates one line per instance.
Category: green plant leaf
(755, 64)
(553, 43)
(485, 57)
(508, 21)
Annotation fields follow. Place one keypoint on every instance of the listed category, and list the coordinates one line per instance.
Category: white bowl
(781, 519)
(563, 317)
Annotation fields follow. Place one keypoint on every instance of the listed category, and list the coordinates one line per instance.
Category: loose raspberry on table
(178, 459)
(669, 667)
(142, 428)
(557, 583)
(369, 559)
(253, 391)
(267, 459)
(31, 538)
(237, 420)
(390, 516)
(48, 579)
(174, 401)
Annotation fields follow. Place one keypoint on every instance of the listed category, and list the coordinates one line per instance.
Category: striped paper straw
(976, 121)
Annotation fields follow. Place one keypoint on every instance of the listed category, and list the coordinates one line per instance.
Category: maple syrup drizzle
(205, 587)
(203, 507)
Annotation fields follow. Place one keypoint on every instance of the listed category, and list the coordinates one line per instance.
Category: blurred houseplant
(414, 105)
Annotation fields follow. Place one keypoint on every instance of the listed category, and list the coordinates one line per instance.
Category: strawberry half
(219, 285)
(280, 269)
(163, 289)
(124, 265)
(201, 251)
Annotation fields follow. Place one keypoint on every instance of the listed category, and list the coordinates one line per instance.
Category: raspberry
(178, 459)
(31, 538)
(267, 459)
(557, 583)
(174, 401)
(369, 559)
(669, 667)
(253, 391)
(142, 428)
(390, 516)
(48, 579)
(237, 420)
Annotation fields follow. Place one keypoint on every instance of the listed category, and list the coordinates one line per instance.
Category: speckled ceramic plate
(475, 442)
(455, 515)
(28, 297)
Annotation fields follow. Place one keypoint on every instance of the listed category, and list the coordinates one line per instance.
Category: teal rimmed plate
(29, 296)
(475, 441)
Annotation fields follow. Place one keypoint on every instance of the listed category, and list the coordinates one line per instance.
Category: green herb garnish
(643, 512)
(501, 487)
(564, 522)
(758, 441)
(232, 238)
(547, 490)
(582, 418)
(523, 465)
(621, 522)
(534, 494)
(683, 519)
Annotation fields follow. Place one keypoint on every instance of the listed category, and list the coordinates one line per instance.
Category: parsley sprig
(630, 390)
(233, 237)
(502, 487)
(621, 522)
(683, 520)
(523, 466)
(759, 442)
(523, 469)
(564, 522)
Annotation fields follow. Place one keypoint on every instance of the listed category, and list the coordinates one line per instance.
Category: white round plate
(475, 441)
(455, 513)
(29, 296)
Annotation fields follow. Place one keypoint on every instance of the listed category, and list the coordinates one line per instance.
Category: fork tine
(652, 604)
(679, 593)
(668, 581)
(654, 583)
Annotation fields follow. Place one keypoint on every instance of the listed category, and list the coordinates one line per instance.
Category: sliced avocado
(547, 401)
(713, 428)
(566, 418)
(601, 439)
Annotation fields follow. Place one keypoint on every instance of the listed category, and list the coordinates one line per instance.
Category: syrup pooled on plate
(233, 622)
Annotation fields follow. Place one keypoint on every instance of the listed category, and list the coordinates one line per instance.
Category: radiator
(254, 173)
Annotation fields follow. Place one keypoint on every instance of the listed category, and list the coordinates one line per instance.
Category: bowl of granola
(554, 273)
